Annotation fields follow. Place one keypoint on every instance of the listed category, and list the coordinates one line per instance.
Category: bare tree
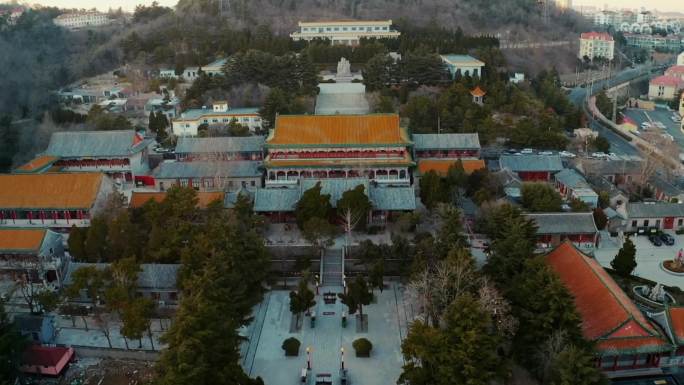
(495, 304)
(548, 352)
(105, 322)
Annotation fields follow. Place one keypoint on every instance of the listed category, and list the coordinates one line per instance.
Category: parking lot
(658, 115)
(648, 257)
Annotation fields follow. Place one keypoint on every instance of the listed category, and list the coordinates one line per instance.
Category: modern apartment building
(670, 43)
(596, 44)
(220, 115)
(349, 32)
(79, 20)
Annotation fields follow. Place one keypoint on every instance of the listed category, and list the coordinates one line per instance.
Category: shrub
(291, 346)
(362, 347)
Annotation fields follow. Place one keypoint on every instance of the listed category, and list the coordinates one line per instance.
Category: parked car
(527, 151)
(567, 154)
(546, 153)
(599, 155)
(667, 239)
(655, 240)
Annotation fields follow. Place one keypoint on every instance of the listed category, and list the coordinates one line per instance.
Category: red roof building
(676, 71)
(45, 360)
(596, 36)
(624, 337)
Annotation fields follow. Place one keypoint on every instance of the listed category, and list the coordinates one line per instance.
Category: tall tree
(433, 190)
(12, 344)
(358, 295)
(575, 365)
(76, 243)
(302, 299)
(356, 203)
(313, 204)
(540, 197)
(319, 233)
(625, 260)
(462, 352)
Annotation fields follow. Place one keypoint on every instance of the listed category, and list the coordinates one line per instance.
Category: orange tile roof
(37, 163)
(347, 162)
(442, 166)
(21, 239)
(478, 92)
(49, 191)
(327, 130)
(139, 198)
(608, 315)
(677, 322)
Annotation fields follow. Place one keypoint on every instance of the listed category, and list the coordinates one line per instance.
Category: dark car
(667, 239)
(655, 240)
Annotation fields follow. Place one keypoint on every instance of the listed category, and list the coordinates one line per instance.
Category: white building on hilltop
(596, 44)
(78, 20)
(349, 32)
(220, 115)
(680, 59)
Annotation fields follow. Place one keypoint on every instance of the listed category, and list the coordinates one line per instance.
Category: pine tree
(313, 204)
(77, 243)
(625, 262)
(12, 344)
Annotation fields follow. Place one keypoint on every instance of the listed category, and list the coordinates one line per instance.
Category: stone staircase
(331, 268)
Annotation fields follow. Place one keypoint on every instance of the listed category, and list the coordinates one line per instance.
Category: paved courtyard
(387, 320)
(648, 258)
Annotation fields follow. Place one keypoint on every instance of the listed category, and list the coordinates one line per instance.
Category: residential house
(121, 154)
(555, 228)
(680, 59)
(621, 173)
(641, 216)
(219, 116)
(616, 197)
(54, 200)
(209, 175)
(34, 254)
(465, 65)
(533, 167)
(676, 71)
(663, 190)
(347, 32)
(220, 148)
(670, 43)
(572, 185)
(279, 203)
(45, 360)
(624, 338)
(215, 68)
(155, 281)
(338, 146)
(168, 106)
(438, 152)
(596, 45)
(665, 87)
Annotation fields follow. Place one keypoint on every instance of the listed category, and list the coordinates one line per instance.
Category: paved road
(578, 95)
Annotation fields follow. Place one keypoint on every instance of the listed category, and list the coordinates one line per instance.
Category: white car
(567, 154)
(546, 153)
(527, 151)
(599, 155)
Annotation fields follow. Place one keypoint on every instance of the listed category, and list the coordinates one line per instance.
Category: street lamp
(308, 358)
(342, 356)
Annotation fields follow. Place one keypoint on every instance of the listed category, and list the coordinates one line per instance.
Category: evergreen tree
(358, 295)
(276, 103)
(12, 345)
(433, 190)
(576, 366)
(625, 262)
(152, 122)
(313, 204)
(461, 352)
(377, 73)
(76, 243)
(357, 203)
(540, 197)
(302, 299)
(96, 240)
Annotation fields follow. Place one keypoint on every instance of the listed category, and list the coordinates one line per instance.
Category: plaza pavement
(387, 325)
(648, 257)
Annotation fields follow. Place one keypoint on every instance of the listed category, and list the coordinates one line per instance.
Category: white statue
(657, 294)
(343, 68)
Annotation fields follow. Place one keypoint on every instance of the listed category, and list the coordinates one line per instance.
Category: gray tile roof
(220, 145)
(534, 162)
(393, 198)
(382, 198)
(564, 223)
(151, 276)
(654, 210)
(275, 199)
(231, 197)
(336, 187)
(78, 144)
(611, 166)
(226, 169)
(663, 185)
(572, 179)
(446, 141)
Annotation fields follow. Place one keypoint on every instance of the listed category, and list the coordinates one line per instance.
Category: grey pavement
(658, 115)
(648, 258)
(387, 322)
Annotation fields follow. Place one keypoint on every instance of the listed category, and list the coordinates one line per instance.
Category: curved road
(578, 95)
